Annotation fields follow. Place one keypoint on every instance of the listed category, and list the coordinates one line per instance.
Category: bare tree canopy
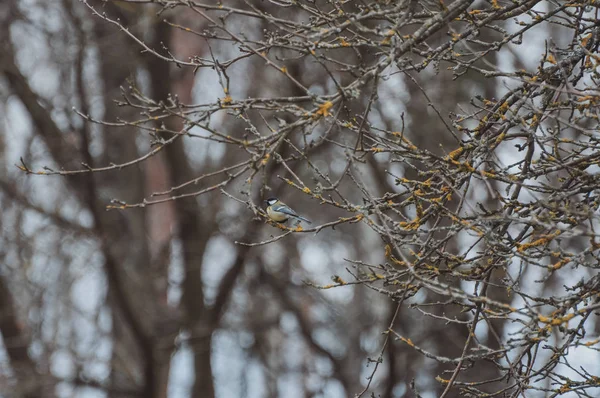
(447, 153)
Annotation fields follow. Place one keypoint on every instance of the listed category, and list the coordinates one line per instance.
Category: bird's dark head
(271, 201)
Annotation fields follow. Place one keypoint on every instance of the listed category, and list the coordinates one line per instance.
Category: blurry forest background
(446, 152)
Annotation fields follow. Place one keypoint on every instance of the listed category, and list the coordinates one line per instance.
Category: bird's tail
(303, 219)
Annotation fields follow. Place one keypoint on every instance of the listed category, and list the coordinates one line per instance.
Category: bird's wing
(284, 209)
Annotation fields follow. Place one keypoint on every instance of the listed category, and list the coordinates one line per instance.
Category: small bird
(280, 212)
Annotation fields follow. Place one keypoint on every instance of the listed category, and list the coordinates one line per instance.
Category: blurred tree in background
(447, 153)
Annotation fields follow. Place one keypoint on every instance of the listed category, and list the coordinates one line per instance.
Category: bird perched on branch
(280, 212)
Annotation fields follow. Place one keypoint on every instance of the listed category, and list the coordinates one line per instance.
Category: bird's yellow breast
(276, 216)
